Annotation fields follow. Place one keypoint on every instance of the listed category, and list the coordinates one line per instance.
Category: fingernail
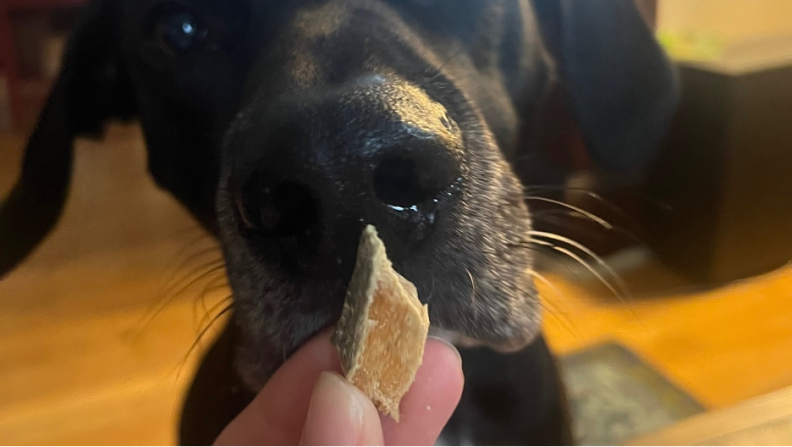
(335, 414)
(450, 346)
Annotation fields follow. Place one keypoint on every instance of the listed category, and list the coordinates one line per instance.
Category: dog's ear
(621, 86)
(91, 88)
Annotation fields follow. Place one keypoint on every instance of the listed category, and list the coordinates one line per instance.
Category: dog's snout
(372, 153)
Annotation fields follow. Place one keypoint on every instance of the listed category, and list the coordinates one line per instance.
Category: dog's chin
(259, 355)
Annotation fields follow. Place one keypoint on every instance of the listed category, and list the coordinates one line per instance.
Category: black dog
(286, 126)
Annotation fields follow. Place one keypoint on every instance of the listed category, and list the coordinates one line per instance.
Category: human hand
(307, 402)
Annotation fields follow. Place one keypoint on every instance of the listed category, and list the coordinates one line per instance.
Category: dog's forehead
(435, 14)
(299, 35)
(262, 51)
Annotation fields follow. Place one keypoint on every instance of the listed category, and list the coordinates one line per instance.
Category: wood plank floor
(765, 420)
(84, 362)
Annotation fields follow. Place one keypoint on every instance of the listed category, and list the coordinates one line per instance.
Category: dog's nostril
(286, 210)
(398, 182)
(296, 207)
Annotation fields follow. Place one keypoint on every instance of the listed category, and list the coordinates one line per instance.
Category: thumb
(340, 414)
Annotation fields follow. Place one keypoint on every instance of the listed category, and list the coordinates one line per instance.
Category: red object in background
(9, 57)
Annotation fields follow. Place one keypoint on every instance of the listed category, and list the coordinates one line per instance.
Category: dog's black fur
(286, 126)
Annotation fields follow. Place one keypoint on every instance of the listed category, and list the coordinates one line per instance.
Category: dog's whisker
(563, 188)
(563, 320)
(588, 193)
(431, 291)
(588, 252)
(551, 256)
(596, 196)
(585, 264)
(200, 234)
(189, 278)
(173, 285)
(202, 334)
(200, 254)
(439, 70)
(181, 261)
(546, 216)
(214, 308)
(156, 310)
(211, 274)
(548, 305)
(473, 292)
(543, 279)
(623, 297)
(182, 281)
(605, 224)
(214, 268)
(218, 282)
(201, 242)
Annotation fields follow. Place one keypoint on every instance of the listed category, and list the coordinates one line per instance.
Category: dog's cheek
(498, 218)
(250, 354)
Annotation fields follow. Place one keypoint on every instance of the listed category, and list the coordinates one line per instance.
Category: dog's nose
(373, 152)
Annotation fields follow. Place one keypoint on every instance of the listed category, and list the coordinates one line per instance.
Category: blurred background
(675, 327)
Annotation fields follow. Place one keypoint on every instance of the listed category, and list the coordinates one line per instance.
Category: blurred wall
(728, 20)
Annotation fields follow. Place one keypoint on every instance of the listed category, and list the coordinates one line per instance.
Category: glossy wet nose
(292, 204)
(371, 154)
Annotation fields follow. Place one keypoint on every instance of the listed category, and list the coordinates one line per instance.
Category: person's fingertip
(340, 414)
(432, 398)
(451, 348)
(371, 433)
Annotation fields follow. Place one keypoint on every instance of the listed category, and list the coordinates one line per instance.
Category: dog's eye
(179, 32)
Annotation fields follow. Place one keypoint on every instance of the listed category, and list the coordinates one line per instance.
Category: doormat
(615, 396)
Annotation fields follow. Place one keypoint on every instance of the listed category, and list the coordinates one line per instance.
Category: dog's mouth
(280, 314)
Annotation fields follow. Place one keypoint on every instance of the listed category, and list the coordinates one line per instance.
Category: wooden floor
(765, 420)
(96, 327)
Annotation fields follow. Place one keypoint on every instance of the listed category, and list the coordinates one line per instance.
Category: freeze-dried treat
(383, 328)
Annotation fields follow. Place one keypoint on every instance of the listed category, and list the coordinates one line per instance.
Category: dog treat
(383, 328)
